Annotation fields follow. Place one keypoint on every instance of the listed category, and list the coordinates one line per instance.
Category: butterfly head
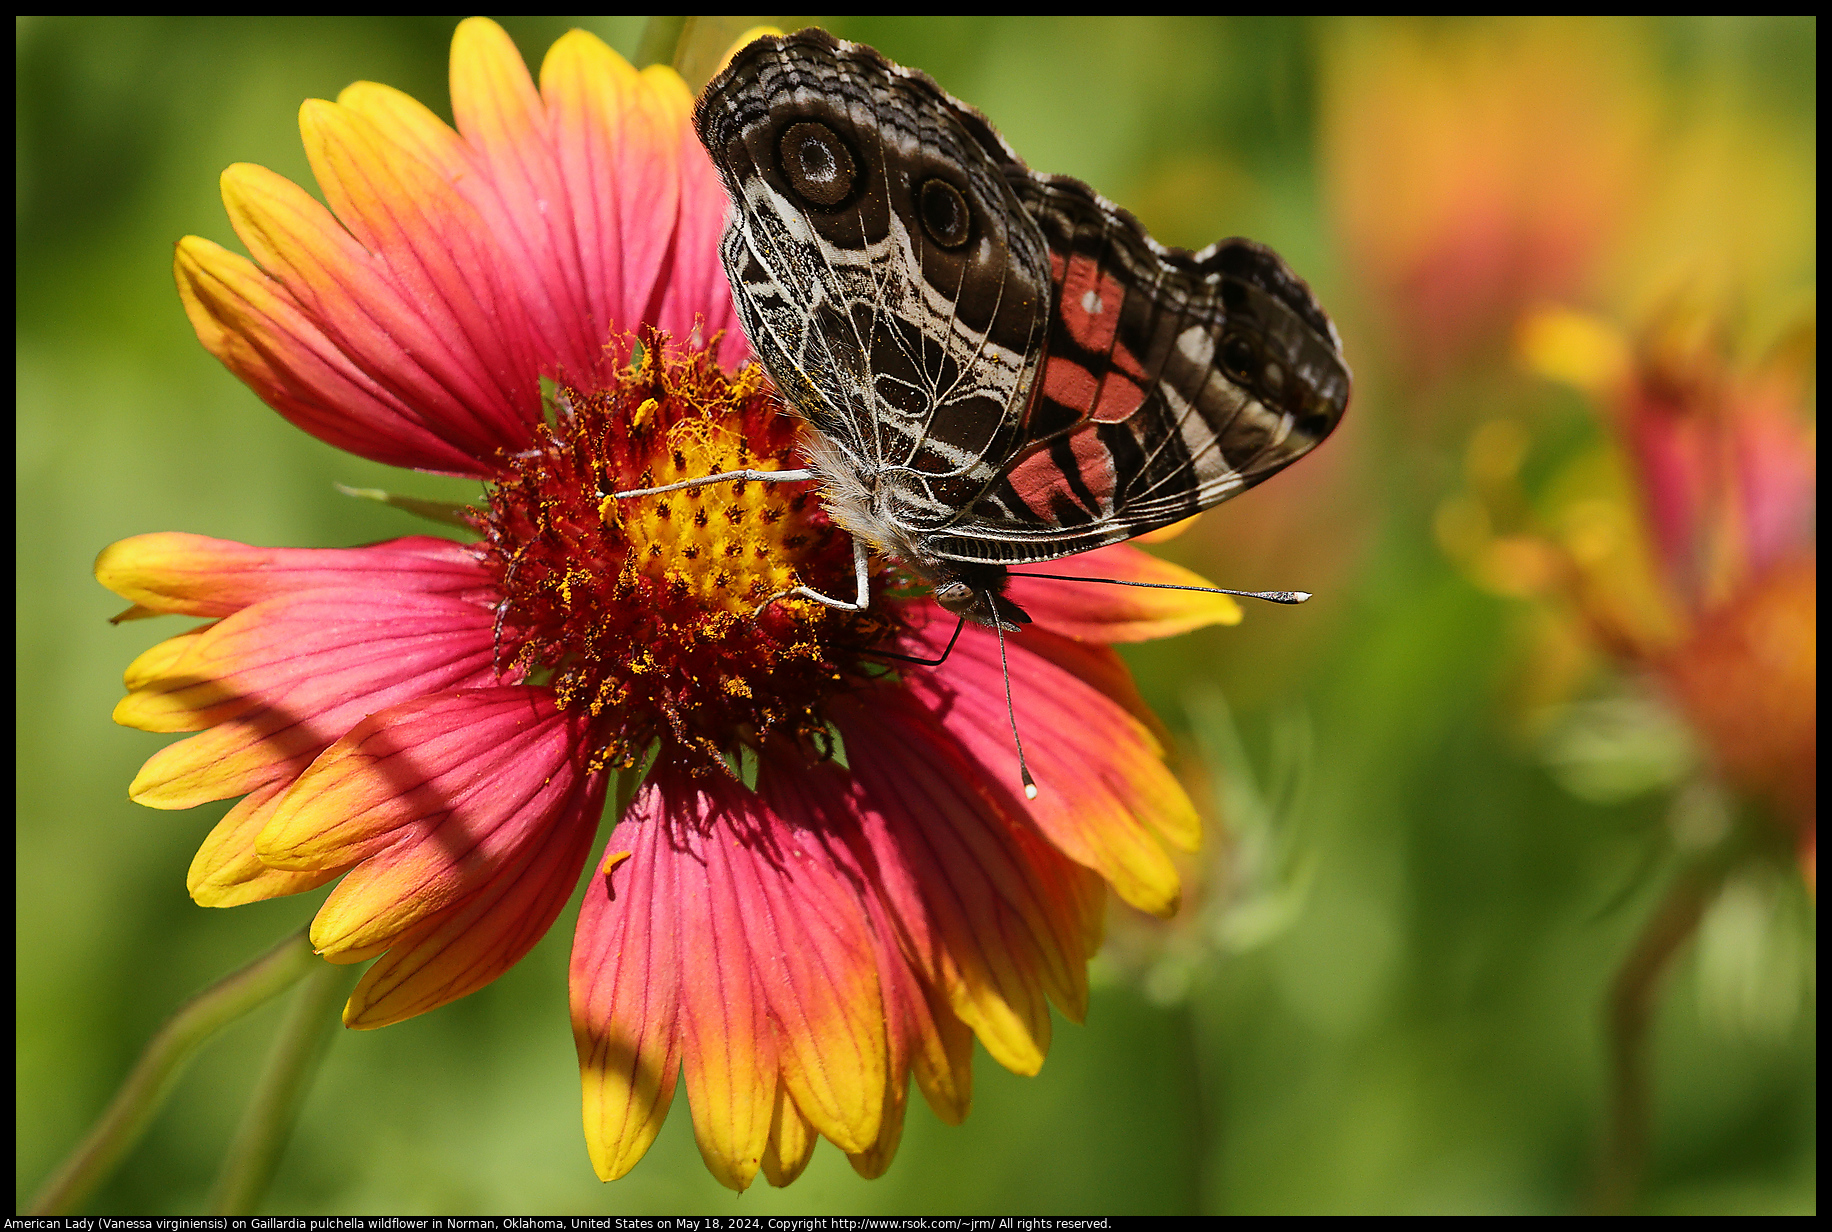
(977, 593)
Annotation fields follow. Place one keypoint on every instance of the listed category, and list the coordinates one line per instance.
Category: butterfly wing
(1173, 381)
(889, 279)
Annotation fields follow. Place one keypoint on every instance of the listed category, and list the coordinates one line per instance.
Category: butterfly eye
(954, 597)
(1240, 359)
(944, 213)
(819, 166)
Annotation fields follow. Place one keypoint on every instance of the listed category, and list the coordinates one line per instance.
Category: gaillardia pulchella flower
(827, 880)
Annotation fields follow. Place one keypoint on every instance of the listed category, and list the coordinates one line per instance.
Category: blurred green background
(1384, 994)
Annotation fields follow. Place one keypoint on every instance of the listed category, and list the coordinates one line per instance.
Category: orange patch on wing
(1096, 467)
(1090, 307)
(1109, 398)
(1040, 481)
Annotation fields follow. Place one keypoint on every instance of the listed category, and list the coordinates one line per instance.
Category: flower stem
(1629, 1012)
(254, 1156)
(156, 1072)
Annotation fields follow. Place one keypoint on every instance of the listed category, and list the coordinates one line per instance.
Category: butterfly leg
(721, 477)
(861, 570)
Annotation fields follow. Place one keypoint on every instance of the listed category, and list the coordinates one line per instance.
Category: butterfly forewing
(1172, 382)
(881, 264)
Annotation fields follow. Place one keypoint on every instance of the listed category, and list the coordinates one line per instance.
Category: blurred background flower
(1697, 564)
(1562, 649)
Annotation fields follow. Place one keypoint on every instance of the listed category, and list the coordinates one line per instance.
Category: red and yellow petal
(811, 951)
(411, 320)
(153, 665)
(193, 575)
(278, 682)
(1103, 788)
(505, 128)
(781, 1026)
(445, 265)
(731, 1058)
(790, 1144)
(461, 948)
(276, 347)
(922, 1033)
(324, 658)
(697, 298)
(625, 143)
(611, 134)
(428, 800)
(777, 950)
(226, 872)
(538, 245)
(228, 760)
(1095, 612)
(626, 996)
(985, 908)
(412, 328)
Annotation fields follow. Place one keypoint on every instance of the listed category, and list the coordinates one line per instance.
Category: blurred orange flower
(1482, 170)
(1719, 596)
(1475, 169)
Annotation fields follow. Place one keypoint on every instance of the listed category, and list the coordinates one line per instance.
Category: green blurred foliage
(1424, 1034)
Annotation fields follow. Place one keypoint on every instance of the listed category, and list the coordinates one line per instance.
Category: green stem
(1630, 1012)
(660, 37)
(254, 1156)
(130, 1112)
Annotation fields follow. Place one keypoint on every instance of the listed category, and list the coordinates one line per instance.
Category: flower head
(1695, 556)
(824, 881)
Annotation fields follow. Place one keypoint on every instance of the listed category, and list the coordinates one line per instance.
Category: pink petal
(1777, 476)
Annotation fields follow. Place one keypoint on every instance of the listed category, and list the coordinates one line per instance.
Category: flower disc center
(654, 612)
(729, 547)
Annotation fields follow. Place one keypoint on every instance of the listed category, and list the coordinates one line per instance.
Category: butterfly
(999, 367)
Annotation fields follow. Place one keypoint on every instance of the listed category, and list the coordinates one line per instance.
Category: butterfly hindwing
(881, 264)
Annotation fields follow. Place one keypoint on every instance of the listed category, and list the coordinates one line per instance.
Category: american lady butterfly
(999, 367)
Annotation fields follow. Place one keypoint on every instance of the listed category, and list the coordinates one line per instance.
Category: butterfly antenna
(1024, 774)
(1270, 596)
